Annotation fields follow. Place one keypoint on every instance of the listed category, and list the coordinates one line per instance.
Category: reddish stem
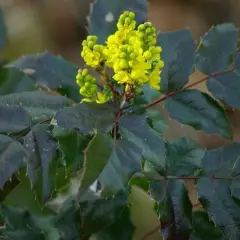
(163, 98)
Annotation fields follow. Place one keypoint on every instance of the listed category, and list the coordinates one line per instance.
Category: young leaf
(39, 105)
(184, 156)
(104, 15)
(175, 208)
(216, 48)
(86, 117)
(50, 71)
(226, 88)
(200, 111)
(12, 155)
(96, 156)
(71, 144)
(14, 81)
(222, 209)
(203, 229)
(3, 31)
(143, 215)
(178, 57)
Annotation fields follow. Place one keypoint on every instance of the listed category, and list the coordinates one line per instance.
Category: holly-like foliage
(79, 171)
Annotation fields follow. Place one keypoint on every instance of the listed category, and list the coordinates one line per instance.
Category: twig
(163, 98)
(120, 113)
(150, 176)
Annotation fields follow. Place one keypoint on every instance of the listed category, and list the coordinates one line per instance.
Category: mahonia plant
(131, 53)
(83, 171)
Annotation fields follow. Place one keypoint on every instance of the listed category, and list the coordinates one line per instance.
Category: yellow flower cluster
(131, 52)
(89, 88)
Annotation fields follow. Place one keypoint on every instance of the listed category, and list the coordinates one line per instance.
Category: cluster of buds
(131, 53)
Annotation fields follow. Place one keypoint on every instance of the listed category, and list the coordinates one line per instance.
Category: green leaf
(175, 208)
(184, 157)
(143, 214)
(156, 120)
(87, 117)
(3, 31)
(14, 81)
(124, 161)
(115, 231)
(21, 224)
(220, 162)
(13, 119)
(226, 88)
(222, 209)
(39, 105)
(12, 155)
(199, 110)
(23, 196)
(96, 156)
(136, 129)
(100, 214)
(203, 229)
(41, 152)
(104, 15)
(68, 220)
(217, 48)
(50, 71)
(178, 57)
(71, 144)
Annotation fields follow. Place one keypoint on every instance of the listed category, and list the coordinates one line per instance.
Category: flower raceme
(131, 53)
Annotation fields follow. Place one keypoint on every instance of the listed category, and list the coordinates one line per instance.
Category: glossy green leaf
(41, 151)
(226, 88)
(178, 56)
(13, 119)
(124, 161)
(3, 31)
(115, 231)
(222, 209)
(217, 48)
(104, 15)
(96, 157)
(14, 81)
(156, 120)
(199, 110)
(87, 117)
(221, 162)
(136, 129)
(100, 214)
(184, 156)
(71, 145)
(175, 208)
(50, 71)
(39, 105)
(21, 224)
(12, 157)
(203, 229)
(68, 220)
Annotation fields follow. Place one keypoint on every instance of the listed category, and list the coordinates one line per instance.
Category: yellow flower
(131, 53)
(154, 79)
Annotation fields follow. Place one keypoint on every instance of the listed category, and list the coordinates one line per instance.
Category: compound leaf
(200, 111)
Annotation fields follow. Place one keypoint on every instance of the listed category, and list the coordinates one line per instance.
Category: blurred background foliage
(60, 25)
